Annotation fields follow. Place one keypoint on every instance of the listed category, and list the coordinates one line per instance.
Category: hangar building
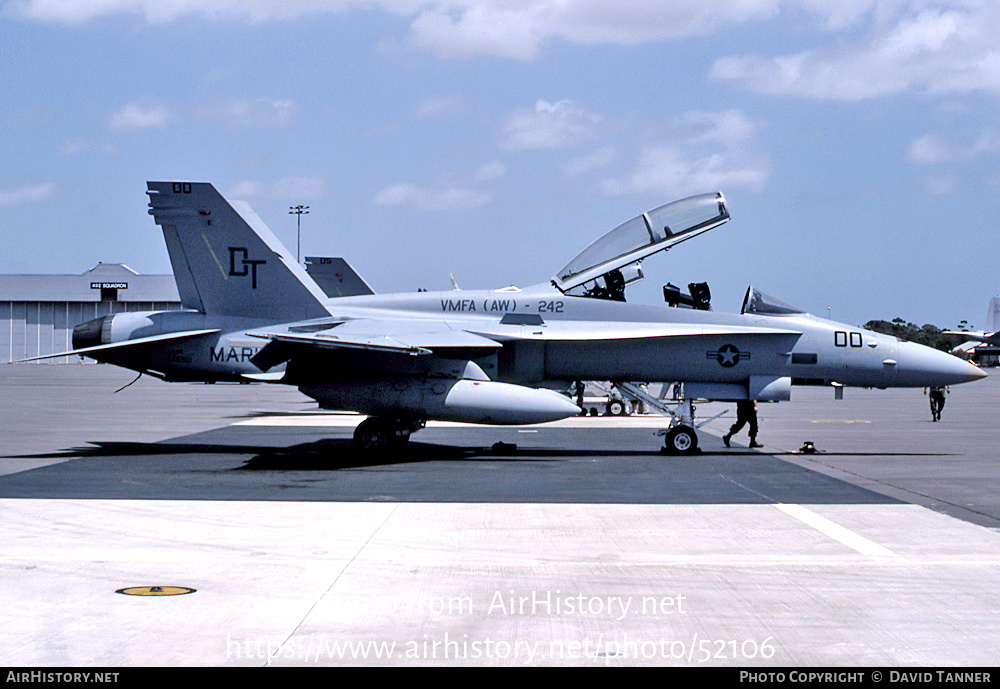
(38, 312)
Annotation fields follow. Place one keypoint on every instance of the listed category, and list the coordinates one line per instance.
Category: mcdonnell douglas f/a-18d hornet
(490, 357)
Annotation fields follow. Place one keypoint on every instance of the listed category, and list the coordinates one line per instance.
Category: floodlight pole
(298, 211)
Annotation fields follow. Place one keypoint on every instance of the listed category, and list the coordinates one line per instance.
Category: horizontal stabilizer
(138, 342)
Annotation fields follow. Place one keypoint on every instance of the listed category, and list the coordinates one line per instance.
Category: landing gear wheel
(376, 435)
(616, 408)
(681, 440)
(373, 436)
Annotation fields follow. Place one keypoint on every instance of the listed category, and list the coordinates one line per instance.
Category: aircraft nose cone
(925, 367)
(975, 373)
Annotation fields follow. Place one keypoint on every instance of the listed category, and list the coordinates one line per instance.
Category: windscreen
(758, 302)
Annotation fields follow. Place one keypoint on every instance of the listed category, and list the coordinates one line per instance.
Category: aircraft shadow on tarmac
(336, 454)
(327, 454)
(329, 470)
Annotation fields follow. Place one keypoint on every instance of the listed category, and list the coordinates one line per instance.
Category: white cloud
(137, 116)
(247, 189)
(877, 47)
(478, 30)
(81, 146)
(632, 22)
(272, 112)
(839, 14)
(422, 198)
(247, 112)
(441, 105)
(548, 125)
(704, 151)
(519, 28)
(602, 157)
(728, 127)
(451, 28)
(931, 149)
(463, 193)
(29, 193)
(935, 50)
(491, 171)
(286, 189)
(668, 170)
(941, 185)
(293, 188)
(159, 11)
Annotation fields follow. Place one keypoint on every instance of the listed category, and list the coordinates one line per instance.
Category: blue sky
(857, 141)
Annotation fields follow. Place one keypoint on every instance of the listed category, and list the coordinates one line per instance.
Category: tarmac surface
(573, 543)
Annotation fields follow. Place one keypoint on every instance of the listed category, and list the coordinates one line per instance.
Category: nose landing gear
(680, 440)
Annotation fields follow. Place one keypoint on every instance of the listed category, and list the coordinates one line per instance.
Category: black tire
(375, 436)
(616, 408)
(681, 440)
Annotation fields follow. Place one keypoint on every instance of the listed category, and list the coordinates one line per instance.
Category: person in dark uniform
(937, 395)
(580, 387)
(746, 414)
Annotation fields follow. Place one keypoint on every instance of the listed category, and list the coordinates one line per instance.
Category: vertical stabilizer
(993, 315)
(336, 277)
(226, 261)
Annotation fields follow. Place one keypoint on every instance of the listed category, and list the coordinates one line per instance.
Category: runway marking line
(837, 532)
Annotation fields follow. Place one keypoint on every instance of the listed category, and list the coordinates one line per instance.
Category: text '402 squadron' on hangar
(489, 357)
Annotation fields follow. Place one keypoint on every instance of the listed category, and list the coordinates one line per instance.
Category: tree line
(929, 335)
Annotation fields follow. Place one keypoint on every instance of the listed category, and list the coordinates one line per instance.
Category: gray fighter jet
(489, 357)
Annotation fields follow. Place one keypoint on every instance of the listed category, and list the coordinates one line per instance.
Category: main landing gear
(377, 435)
(617, 408)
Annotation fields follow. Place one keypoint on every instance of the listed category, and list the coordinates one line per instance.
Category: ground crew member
(746, 413)
(937, 401)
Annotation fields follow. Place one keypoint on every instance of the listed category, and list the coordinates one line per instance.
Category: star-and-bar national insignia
(728, 355)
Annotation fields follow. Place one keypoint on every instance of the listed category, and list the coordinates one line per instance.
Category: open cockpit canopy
(642, 236)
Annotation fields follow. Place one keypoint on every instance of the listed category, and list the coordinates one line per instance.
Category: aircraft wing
(380, 336)
(988, 338)
(416, 337)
